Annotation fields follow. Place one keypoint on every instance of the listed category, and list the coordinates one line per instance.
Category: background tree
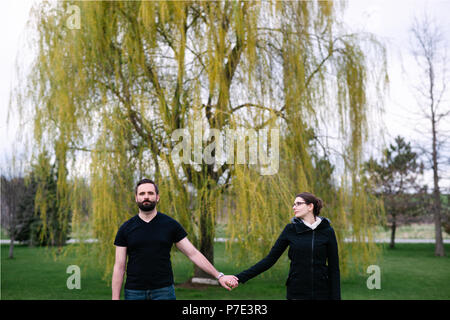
(396, 178)
(29, 205)
(429, 51)
(20, 217)
(52, 227)
(12, 221)
(134, 72)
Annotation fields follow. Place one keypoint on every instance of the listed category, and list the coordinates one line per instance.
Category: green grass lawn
(408, 272)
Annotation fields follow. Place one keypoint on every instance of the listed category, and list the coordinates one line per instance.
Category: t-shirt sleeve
(121, 239)
(178, 232)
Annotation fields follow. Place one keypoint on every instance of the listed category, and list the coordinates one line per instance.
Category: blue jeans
(166, 293)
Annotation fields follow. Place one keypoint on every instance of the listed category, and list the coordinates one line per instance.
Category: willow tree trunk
(206, 246)
(207, 226)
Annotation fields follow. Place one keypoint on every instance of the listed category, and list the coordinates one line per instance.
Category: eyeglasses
(297, 204)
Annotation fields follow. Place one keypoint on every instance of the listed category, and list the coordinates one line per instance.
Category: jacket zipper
(312, 263)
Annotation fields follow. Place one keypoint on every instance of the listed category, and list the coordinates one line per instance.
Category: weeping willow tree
(115, 90)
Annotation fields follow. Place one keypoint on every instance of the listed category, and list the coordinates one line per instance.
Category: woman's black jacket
(314, 269)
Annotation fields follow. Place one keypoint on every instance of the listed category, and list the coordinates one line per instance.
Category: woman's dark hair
(146, 181)
(310, 198)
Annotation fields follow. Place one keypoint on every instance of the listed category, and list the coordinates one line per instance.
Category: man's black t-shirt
(148, 248)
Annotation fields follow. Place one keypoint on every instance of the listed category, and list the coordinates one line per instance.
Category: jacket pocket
(322, 282)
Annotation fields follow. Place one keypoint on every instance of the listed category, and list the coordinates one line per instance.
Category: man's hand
(229, 282)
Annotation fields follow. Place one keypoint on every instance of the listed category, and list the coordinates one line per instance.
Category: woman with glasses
(313, 251)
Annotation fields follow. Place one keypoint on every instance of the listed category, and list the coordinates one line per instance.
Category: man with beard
(147, 239)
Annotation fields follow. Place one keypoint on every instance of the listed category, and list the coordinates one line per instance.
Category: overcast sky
(389, 20)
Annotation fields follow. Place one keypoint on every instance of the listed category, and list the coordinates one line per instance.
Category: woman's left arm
(333, 267)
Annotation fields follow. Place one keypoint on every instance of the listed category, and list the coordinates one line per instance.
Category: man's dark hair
(142, 181)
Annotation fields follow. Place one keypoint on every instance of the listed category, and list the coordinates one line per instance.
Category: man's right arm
(119, 271)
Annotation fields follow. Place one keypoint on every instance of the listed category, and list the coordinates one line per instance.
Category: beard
(146, 205)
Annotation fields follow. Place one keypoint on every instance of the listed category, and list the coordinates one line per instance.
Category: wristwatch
(220, 275)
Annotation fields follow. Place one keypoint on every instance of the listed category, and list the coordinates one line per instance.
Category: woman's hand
(229, 282)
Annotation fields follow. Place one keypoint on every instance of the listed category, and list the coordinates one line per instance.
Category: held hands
(229, 282)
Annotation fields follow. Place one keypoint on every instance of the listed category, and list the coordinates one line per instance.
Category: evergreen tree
(395, 178)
